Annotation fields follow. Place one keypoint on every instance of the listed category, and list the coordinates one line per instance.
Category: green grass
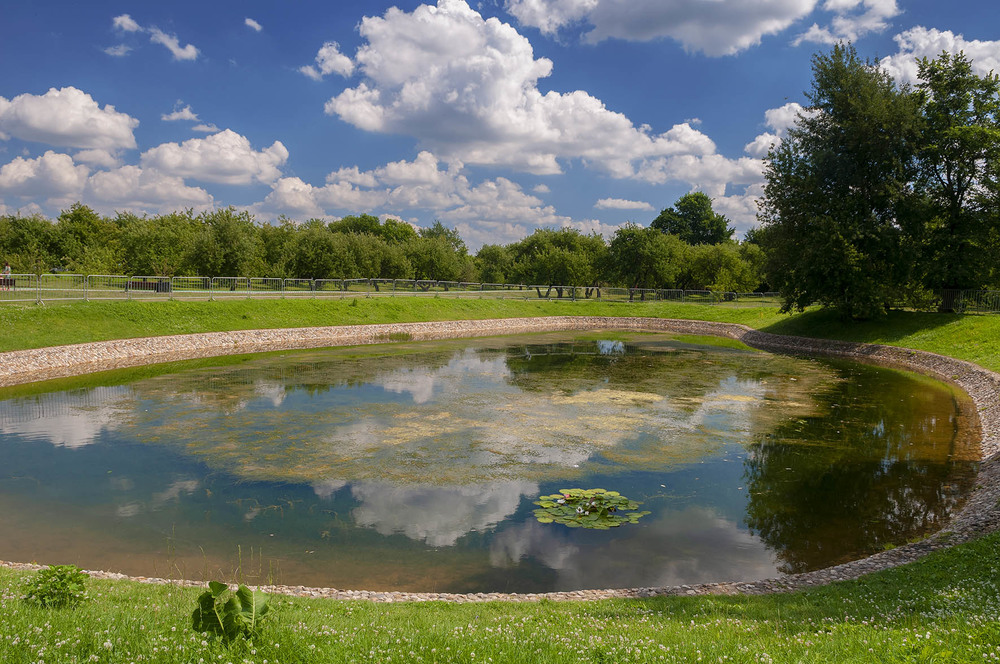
(943, 608)
(34, 326)
(973, 338)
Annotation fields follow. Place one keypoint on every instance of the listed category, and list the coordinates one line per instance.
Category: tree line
(687, 246)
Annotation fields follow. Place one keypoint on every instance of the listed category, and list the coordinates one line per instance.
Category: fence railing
(60, 287)
(68, 287)
(969, 301)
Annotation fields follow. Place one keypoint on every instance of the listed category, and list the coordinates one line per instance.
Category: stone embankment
(979, 515)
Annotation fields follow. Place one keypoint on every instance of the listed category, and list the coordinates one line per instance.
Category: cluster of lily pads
(588, 508)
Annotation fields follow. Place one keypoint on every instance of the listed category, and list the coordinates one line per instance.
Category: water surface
(414, 466)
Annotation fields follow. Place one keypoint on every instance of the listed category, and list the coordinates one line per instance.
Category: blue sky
(495, 117)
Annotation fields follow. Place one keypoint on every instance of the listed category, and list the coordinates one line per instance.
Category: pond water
(414, 466)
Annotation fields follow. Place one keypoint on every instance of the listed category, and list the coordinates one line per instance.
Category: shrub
(57, 586)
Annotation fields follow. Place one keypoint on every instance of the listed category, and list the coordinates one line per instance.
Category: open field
(943, 608)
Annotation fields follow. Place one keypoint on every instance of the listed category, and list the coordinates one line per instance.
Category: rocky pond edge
(979, 515)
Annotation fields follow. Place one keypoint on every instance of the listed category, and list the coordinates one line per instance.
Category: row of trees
(228, 243)
(636, 257)
(675, 252)
(885, 193)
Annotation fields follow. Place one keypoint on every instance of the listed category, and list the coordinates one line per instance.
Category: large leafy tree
(228, 244)
(494, 263)
(641, 257)
(564, 257)
(725, 267)
(959, 164)
(837, 190)
(86, 242)
(157, 246)
(28, 243)
(693, 220)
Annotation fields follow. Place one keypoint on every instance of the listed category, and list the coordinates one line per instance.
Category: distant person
(5, 276)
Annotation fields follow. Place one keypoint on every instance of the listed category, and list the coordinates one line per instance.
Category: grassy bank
(943, 608)
(973, 338)
(38, 326)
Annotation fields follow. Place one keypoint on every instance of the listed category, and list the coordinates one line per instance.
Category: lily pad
(597, 509)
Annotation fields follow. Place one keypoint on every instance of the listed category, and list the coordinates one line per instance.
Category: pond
(414, 466)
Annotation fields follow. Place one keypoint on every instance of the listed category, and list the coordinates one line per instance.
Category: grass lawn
(943, 608)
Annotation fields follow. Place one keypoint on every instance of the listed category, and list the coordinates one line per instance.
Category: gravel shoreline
(979, 515)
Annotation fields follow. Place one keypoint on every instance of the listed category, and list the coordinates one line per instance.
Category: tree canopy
(883, 193)
(693, 221)
(958, 170)
(836, 189)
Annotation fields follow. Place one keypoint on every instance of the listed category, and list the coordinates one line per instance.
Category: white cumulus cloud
(52, 175)
(467, 89)
(852, 19)
(178, 113)
(496, 210)
(97, 158)
(66, 117)
(252, 24)
(126, 23)
(186, 52)
(621, 204)
(779, 120)
(226, 157)
(135, 188)
(715, 27)
(329, 60)
(118, 51)
(920, 42)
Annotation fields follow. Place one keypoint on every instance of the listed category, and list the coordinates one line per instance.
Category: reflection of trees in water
(870, 474)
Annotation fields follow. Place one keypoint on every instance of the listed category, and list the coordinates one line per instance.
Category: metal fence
(969, 301)
(68, 287)
(26, 288)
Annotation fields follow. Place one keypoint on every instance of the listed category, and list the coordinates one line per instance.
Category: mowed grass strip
(975, 338)
(32, 326)
(943, 608)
